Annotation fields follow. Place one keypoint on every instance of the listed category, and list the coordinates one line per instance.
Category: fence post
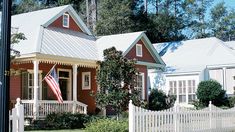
(131, 117)
(176, 109)
(210, 108)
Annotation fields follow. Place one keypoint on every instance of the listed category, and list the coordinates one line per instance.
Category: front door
(65, 83)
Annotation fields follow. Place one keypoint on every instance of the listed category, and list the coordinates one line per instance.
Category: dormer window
(139, 51)
(66, 20)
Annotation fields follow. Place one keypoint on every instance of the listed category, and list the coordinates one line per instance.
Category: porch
(46, 107)
(76, 83)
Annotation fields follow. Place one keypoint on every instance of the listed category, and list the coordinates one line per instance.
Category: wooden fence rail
(178, 119)
(16, 122)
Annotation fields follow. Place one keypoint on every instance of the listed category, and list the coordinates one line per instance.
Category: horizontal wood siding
(72, 24)
(84, 95)
(147, 57)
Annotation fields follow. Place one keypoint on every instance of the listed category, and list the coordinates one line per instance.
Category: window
(191, 90)
(28, 84)
(182, 91)
(140, 84)
(173, 90)
(139, 50)
(66, 20)
(86, 80)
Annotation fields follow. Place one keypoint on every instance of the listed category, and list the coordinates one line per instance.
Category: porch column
(74, 87)
(224, 79)
(36, 88)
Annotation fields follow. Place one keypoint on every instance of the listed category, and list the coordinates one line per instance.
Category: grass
(75, 130)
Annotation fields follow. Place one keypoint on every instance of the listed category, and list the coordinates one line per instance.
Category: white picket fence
(178, 119)
(16, 122)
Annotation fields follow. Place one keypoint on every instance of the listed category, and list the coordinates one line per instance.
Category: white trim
(143, 85)
(63, 22)
(83, 80)
(139, 47)
(69, 88)
(74, 15)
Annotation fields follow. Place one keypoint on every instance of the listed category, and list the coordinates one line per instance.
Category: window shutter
(44, 88)
(24, 78)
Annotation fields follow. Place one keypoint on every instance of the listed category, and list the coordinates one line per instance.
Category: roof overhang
(51, 59)
(151, 65)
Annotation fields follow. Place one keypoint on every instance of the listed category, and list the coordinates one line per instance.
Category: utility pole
(5, 65)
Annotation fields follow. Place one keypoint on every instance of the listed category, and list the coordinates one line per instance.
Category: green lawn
(76, 130)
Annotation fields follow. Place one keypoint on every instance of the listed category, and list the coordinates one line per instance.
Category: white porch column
(224, 79)
(74, 87)
(177, 92)
(36, 88)
(186, 91)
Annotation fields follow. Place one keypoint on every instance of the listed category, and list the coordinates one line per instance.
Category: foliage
(158, 100)
(60, 121)
(231, 101)
(222, 22)
(114, 17)
(107, 125)
(26, 6)
(211, 90)
(116, 78)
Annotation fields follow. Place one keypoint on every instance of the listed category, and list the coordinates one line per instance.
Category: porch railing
(51, 106)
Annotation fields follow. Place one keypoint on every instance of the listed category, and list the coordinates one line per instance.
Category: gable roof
(230, 44)
(195, 53)
(35, 24)
(125, 42)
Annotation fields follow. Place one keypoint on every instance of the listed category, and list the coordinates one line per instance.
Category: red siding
(84, 95)
(143, 69)
(72, 24)
(15, 87)
(147, 57)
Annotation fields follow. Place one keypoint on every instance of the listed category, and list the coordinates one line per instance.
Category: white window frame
(141, 49)
(83, 81)
(39, 83)
(67, 15)
(69, 79)
(143, 85)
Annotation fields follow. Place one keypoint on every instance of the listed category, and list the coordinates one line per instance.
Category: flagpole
(48, 72)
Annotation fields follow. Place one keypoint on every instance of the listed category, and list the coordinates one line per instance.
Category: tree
(158, 100)
(26, 6)
(222, 22)
(211, 90)
(195, 12)
(15, 39)
(114, 17)
(116, 78)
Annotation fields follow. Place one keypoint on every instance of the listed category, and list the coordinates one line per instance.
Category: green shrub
(211, 90)
(107, 125)
(60, 121)
(158, 100)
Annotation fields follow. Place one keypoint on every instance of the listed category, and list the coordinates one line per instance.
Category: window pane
(182, 98)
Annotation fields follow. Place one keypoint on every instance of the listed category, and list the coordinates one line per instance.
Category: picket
(178, 119)
(16, 123)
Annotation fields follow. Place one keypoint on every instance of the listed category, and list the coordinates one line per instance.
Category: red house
(59, 36)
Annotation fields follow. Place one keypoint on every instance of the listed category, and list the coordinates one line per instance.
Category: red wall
(147, 57)
(84, 95)
(72, 24)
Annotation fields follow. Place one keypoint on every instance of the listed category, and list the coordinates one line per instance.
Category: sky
(228, 3)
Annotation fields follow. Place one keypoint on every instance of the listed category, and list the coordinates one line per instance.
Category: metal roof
(40, 38)
(62, 42)
(125, 42)
(195, 53)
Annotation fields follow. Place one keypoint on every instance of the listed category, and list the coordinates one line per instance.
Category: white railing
(179, 119)
(52, 106)
(16, 119)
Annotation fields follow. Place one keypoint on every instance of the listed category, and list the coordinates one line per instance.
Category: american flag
(53, 82)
